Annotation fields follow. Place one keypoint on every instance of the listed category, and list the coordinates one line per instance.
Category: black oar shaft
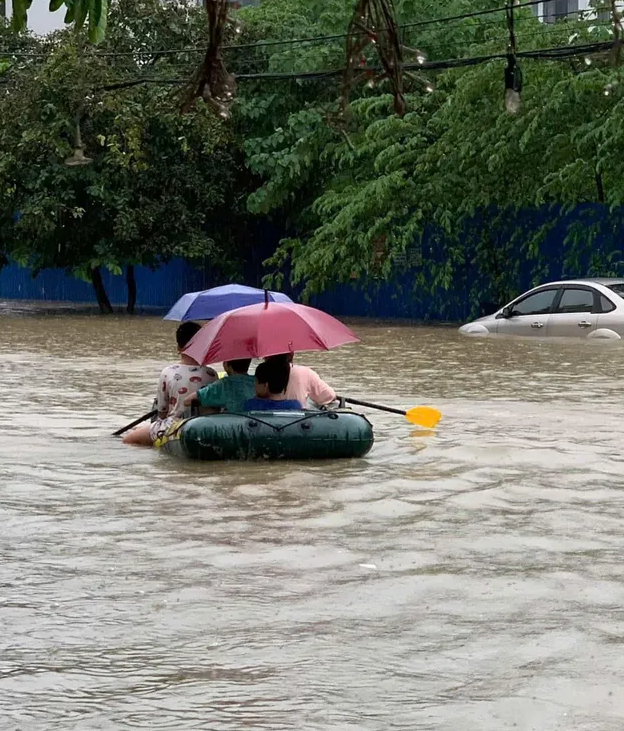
(126, 428)
(369, 405)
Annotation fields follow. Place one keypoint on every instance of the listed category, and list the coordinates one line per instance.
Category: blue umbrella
(213, 302)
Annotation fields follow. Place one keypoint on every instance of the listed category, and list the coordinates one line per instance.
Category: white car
(574, 308)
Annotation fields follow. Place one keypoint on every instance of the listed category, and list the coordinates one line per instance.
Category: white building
(552, 10)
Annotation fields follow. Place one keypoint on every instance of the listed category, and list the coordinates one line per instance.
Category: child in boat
(271, 383)
(175, 383)
(304, 384)
(229, 393)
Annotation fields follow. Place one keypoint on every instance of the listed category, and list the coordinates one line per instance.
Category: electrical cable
(557, 53)
(296, 41)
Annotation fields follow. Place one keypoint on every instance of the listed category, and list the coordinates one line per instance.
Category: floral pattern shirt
(175, 384)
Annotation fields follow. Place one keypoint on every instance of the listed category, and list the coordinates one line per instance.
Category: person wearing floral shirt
(175, 383)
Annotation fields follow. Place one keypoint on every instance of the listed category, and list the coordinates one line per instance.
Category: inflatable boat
(336, 434)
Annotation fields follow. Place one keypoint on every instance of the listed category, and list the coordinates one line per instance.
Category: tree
(447, 186)
(161, 185)
(450, 187)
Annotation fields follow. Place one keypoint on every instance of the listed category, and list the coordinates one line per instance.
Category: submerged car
(573, 308)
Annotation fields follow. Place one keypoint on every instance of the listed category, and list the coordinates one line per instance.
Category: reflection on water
(470, 579)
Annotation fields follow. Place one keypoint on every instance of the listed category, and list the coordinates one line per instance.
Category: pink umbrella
(258, 331)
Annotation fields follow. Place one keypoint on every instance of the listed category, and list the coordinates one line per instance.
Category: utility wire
(318, 39)
(557, 53)
(295, 41)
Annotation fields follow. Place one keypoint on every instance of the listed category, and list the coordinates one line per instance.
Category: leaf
(95, 11)
(55, 5)
(81, 11)
(20, 14)
(70, 15)
(98, 15)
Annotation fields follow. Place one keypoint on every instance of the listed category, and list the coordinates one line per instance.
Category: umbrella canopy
(213, 302)
(268, 329)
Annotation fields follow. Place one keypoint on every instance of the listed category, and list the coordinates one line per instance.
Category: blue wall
(400, 298)
(160, 288)
(472, 292)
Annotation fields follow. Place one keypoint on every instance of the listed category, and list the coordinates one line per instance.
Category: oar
(126, 428)
(145, 417)
(422, 415)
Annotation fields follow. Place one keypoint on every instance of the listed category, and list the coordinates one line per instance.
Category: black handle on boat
(368, 404)
(126, 428)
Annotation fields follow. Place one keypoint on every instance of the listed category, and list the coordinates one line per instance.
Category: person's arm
(319, 391)
(192, 397)
(212, 396)
(212, 376)
(188, 401)
(162, 396)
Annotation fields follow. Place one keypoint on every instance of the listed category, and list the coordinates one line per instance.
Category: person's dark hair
(241, 365)
(280, 358)
(186, 332)
(275, 375)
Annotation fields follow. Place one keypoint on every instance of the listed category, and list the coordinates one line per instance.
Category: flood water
(471, 579)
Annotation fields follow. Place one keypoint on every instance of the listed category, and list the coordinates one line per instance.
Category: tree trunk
(100, 291)
(600, 188)
(132, 289)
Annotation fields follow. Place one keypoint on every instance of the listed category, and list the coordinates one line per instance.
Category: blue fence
(598, 252)
(159, 288)
(398, 298)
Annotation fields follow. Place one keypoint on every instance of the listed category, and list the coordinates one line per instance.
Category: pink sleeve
(319, 391)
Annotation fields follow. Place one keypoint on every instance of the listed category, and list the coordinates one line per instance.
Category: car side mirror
(507, 312)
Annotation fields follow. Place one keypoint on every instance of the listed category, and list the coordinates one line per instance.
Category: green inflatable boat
(335, 434)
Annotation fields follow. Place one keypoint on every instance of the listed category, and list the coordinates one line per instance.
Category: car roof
(605, 281)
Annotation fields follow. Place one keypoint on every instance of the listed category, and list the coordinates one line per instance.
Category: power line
(432, 65)
(403, 26)
(294, 41)
(313, 39)
(555, 53)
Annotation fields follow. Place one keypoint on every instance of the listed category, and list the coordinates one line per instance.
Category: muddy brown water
(471, 579)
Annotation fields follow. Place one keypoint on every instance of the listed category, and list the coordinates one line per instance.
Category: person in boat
(229, 393)
(271, 383)
(304, 384)
(175, 383)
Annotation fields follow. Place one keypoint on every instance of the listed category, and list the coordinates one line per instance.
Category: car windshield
(618, 288)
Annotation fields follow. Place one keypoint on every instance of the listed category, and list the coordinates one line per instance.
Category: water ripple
(469, 578)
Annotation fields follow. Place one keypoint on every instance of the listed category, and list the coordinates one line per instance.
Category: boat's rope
(275, 427)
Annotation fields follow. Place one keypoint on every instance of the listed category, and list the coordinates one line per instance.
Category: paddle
(421, 415)
(145, 417)
(126, 428)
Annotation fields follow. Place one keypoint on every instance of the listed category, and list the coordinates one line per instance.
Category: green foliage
(92, 13)
(162, 184)
(361, 196)
(440, 189)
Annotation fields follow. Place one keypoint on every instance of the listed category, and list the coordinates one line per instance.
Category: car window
(575, 299)
(618, 288)
(605, 304)
(539, 303)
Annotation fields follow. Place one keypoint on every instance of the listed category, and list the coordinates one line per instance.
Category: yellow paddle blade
(423, 416)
